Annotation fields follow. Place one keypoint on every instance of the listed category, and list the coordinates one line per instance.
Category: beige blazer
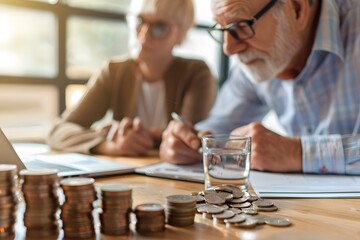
(190, 91)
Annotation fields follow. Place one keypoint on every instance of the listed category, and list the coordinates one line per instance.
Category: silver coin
(239, 200)
(210, 209)
(263, 203)
(235, 210)
(213, 198)
(277, 222)
(199, 198)
(253, 198)
(222, 188)
(260, 218)
(227, 196)
(249, 211)
(225, 207)
(236, 219)
(266, 209)
(249, 223)
(224, 215)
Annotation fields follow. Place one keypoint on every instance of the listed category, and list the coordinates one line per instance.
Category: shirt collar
(328, 35)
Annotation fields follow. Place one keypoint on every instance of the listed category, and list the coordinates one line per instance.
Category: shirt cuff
(323, 154)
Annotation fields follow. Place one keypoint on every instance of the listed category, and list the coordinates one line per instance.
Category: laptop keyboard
(46, 165)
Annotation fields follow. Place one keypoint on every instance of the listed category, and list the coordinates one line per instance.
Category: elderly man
(300, 58)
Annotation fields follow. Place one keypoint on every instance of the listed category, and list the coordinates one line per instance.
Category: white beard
(286, 45)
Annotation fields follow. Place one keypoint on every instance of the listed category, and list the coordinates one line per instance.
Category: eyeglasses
(240, 30)
(158, 29)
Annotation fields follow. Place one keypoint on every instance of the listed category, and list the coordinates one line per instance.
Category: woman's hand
(126, 138)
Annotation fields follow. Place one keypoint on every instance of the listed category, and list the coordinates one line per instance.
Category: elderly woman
(142, 91)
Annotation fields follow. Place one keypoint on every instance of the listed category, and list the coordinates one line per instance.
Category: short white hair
(179, 11)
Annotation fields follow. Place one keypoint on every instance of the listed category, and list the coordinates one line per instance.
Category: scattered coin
(236, 219)
(213, 198)
(212, 209)
(262, 203)
(277, 222)
(249, 223)
(266, 209)
(249, 211)
(235, 210)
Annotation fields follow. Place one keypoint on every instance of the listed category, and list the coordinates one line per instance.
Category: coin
(235, 210)
(253, 198)
(236, 219)
(266, 209)
(277, 222)
(149, 208)
(249, 223)
(249, 211)
(260, 219)
(39, 174)
(262, 203)
(239, 200)
(224, 215)
(214, 198)
(181, 199)
(236, 191)
(76, 183)
(212, 209)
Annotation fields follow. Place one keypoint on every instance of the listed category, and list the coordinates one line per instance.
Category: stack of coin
(39, 188)
(76, 211)
(150, 217)
(116, 208)
(8, 199)
(180, 210)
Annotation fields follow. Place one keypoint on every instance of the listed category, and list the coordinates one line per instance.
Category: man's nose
(232, 45)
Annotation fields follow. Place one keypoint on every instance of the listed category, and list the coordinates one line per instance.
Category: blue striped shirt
(321, 105)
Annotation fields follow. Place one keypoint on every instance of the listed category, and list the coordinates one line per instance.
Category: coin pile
(227, 204)
(150, 217)
(180, 210)
(116, 208)
(39, 189)
(76, 211)
(8, 199)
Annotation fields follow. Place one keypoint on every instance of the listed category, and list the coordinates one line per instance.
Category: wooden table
(311, 218)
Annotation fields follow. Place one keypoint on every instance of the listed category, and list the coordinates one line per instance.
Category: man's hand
(126, 138)
(180, 144)
(270, 151)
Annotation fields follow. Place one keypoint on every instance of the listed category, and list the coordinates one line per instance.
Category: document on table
(192, 173)
(276, 185)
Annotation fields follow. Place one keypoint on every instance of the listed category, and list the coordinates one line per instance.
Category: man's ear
(301, 12)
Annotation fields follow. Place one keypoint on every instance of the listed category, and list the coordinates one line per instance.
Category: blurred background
(49, 49)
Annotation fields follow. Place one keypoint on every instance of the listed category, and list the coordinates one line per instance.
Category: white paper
(193, 173)
(275, 185)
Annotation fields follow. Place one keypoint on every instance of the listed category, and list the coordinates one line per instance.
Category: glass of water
(226, 160)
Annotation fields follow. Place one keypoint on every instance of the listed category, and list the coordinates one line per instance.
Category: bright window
(91, 41)
(28, 42)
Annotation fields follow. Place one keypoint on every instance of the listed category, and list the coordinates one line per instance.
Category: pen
(178, 118)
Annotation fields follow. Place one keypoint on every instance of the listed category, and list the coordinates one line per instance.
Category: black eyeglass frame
(248, 22)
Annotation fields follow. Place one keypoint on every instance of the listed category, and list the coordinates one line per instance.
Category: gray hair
(278, 7)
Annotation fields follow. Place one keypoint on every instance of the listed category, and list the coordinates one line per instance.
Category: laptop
(68, 164)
